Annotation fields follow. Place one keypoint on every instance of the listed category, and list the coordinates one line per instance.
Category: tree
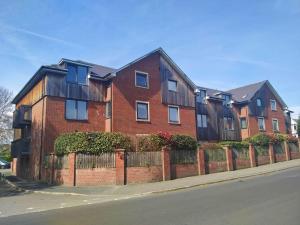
(6, 131)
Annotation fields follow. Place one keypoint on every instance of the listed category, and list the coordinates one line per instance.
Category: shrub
(235, 144)
(155, 142)
(183, 142)
(94, 143)
(260, 139)
(292, 139)
(211, 146)
(150, 143)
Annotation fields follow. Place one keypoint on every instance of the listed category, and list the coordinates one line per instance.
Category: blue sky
(219, 44)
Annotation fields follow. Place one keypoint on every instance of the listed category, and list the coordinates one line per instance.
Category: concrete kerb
(163, 190)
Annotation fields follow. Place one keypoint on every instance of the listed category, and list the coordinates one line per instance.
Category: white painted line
(30, 208)
(85, 200)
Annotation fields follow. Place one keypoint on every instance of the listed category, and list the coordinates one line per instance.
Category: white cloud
(38, 35)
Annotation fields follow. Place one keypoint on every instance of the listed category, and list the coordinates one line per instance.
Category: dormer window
(258, 102)
(77, 74)
(226, 99)
(201, 97)
(273, 105)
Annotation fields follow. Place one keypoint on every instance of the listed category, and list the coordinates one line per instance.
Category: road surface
(271, 199)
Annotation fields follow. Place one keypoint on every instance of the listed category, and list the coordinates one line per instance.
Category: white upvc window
(202, 120)
(275, 124)
(261, 123)
(141, 79)
(142, 111)
(173, 114)
(273, 105)
(172, 85)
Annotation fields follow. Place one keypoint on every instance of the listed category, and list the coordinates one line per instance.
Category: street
(269, 199)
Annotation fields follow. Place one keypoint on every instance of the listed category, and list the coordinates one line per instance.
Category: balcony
(20, 147)
(22, 116)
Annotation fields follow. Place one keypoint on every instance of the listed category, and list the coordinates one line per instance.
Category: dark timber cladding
(184, 96)
(56, 85)
(215, 130)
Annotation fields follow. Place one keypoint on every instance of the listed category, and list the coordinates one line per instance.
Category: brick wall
(96, 176)
(183, 170)
(144, 174)
(57, 124)
(125, 95)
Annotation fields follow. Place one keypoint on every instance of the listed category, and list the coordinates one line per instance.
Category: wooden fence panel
(87, 161)
(61, 162)
(143, 159)
(183, 156)
(241, 158)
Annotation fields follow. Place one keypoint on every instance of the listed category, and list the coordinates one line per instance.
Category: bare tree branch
(5, 115)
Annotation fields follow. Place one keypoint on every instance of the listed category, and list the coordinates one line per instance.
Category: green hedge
(155, 142)
(235, 144)
(91, 142)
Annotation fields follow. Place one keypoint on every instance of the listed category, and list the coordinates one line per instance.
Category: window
(226, 99)
(273, 105)
(258, 102)
(275, 125)
(108, 110)
(261, 123)
(172, 85)
(202, 121)
(77, 74)
(174, 114)
(201, 97)
(142, 111)
(243, 123)
(141, 79)
(228, 123)
(76, 110)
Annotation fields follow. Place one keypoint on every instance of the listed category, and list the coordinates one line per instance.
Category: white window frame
(259, 101)
(201, 124)
(176, 85)
(275, 119)
(263, 123)
(245, 122)
(271, 101)
(178, 112)
(147, 74)
(136, 111)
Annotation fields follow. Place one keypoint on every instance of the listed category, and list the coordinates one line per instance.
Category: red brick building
(148, 95)
(240, 113)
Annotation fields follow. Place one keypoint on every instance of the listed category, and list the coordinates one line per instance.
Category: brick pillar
(52, 161)
(120, 167)
(72, 169)
(166, 163)
(287, 151)
(14, 166)
(201, 161)
(18, 166)
(252, 155)
(228, 151)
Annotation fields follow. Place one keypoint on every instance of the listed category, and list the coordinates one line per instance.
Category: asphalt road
(272, 199)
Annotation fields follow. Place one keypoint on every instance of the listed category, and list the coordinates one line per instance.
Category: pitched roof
(35, 78)
(246, 93)
(168, 59)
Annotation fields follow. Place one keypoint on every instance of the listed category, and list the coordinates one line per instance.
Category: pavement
(21, 197)
(272, 198)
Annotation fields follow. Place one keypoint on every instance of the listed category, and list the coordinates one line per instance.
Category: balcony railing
(20, 147)
(22, 116)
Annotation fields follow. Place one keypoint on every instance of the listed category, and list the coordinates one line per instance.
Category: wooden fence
(183, 156)
(143, 159)
(88, 161)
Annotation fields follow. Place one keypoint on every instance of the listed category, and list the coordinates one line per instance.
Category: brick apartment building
(240, 113)
(148, 95)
